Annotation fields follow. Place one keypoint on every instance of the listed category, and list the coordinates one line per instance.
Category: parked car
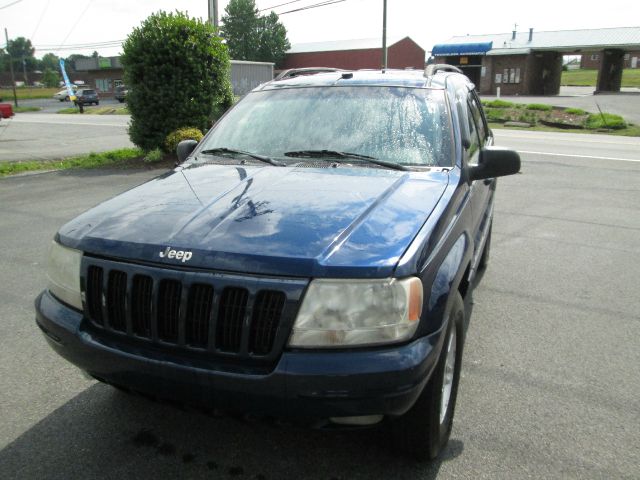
(309, 258)
(87, 96)
(6, 110)
(62, 95)
(121, 93)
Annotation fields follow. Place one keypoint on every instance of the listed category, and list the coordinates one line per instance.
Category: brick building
(530, 63)
(356, 54)
(594, 60)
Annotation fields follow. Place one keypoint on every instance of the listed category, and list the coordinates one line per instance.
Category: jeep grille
(195, 311)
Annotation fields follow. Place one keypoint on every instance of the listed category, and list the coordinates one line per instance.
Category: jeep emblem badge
(182, 255)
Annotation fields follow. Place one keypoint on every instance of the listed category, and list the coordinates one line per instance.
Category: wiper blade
(333, 154)
(262, 158)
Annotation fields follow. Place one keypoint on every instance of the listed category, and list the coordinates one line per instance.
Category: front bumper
(303, 384)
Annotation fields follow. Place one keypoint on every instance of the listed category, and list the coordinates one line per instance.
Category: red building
(356, 54)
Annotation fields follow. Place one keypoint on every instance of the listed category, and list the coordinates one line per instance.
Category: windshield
(407, 126)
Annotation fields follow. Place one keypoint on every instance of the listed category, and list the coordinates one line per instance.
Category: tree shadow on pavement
(104, 433)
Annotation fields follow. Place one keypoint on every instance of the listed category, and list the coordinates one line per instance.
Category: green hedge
(605, 120)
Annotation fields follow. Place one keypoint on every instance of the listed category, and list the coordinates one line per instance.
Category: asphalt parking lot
(549, 388)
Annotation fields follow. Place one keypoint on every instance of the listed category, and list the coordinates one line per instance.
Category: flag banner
(67, 83)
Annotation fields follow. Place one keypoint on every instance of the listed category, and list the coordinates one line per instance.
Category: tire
(97, 103)
(486, 251)
(121, 100)
(424, 430)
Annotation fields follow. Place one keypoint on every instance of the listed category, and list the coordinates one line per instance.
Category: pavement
(549, 387)
(50, 136)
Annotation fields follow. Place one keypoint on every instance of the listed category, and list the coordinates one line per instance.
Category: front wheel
(424, 430)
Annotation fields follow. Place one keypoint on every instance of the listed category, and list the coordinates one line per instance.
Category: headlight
(64, 274)
(339, 313)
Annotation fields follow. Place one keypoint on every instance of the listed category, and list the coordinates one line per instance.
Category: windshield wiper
(262, 158)
(342, 155)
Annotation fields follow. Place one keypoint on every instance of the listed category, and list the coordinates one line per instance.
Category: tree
(50, 78)
(251, 36)
(50, 61)
(240, 26)
(21, 48)
(273, 42)
(178, 73)
(22, 53)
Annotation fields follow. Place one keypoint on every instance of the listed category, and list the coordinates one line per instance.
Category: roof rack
(440, 67)
(296, 72)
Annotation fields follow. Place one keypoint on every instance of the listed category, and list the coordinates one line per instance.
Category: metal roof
(565, 40)
(338, 45)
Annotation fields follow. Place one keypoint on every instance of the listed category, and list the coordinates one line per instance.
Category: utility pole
(384, 35)
(213, 13)
(13, 80)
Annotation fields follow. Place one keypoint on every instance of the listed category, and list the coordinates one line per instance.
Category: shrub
(498, 104)
(528, 117)
(605, 120)
(177, 70)
(154, 155)
(575, 111)
(539, 107)
(175, 137)
(495, 114)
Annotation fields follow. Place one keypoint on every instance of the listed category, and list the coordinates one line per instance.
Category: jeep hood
(294, 221)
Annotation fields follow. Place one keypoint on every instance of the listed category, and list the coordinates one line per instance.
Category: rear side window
(477, 116)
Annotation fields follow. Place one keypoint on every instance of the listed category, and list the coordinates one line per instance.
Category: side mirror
(495, 162)
(185, 147)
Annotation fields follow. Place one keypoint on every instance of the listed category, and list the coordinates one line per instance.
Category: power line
(315, 5)
(76, 23)
(33, 35)
(279, 5)
(9, 4)
(81, 45)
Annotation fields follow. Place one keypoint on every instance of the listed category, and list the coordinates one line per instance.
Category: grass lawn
(118, 157)
(117, 110)
(588, 78)
(22, 109)
(27, 93)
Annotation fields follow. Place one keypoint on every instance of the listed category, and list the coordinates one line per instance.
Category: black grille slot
(169, 310)
(141, 305)
(233, 305)
(116, 300)
(267, 311)
(94, 294)
(198, 313)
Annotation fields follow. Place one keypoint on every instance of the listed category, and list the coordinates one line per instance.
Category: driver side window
(473, 152)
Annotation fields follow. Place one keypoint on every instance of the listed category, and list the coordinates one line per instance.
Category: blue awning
(453, 49)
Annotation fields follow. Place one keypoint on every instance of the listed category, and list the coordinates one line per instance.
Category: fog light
(361, 421)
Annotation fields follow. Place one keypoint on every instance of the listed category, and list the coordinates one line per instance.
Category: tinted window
(403, 125)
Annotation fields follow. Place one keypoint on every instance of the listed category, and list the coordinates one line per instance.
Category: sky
(53, 26)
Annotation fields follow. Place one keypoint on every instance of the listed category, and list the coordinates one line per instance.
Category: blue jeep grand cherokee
(308, 258)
